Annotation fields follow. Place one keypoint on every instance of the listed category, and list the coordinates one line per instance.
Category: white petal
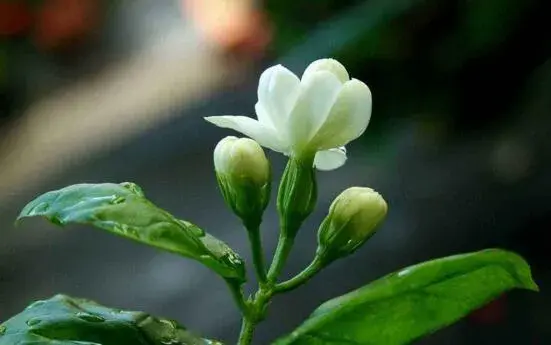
(262, 114)
(264, 135)
(329, 65)
(277, 93)
(330, 159)
(348, 117)
(317, 95)
(265, 119)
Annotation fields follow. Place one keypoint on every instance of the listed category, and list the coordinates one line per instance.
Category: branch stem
(300, 279)
(247, 331)
(284, 246)
(258, 253)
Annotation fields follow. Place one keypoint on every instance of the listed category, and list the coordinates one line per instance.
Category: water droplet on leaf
(90, 317)
(115, 200)
(170, 323)
(134, 188)
(403, 272)
(194, 229)
(212, 342)
(33, 322)
(170, 341)
(57, 220)
(126, 230)
(36, 304)
(233, 259)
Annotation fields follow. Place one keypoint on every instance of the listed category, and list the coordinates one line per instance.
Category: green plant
(309, 120)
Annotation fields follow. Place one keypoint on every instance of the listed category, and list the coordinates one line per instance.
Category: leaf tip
(18, 221)
(22, 216)
(532, 286)
(522, 272)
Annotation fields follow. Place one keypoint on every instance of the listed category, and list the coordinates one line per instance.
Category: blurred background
(106, 90)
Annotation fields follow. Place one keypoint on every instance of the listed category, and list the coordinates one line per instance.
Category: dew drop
(126, 230)
(212, 342)
(56, 219)
(194, 229)
(170, 323)
(403, 272)
(233, 259)
(36, 304)
(115, 200)
(33, 322)
(134, 188)
(90, 317)
(170, 341)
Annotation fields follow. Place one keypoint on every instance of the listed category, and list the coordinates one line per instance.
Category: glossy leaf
(415, 301)
(62, 320)
(122, 209)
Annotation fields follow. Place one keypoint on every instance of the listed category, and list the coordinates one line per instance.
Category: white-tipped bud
(329, 65)
(353, 218)
(243, 173)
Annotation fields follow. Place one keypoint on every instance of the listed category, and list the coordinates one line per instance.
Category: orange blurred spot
(235, 26)
(61, 23)
(15, 18)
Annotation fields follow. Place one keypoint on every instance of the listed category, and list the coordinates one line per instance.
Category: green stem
(246, 334)
(284, 246)
(295, 202)
(315, 266)
(258, 253)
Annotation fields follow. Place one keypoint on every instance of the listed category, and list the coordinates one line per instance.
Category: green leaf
(62, 320)
(122, 209)
(415, 301)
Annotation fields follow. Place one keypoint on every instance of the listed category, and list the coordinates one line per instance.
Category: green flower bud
(353, 218)
(244, 177)
(297, 195)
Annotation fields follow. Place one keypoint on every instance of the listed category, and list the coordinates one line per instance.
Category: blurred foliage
(33, 33)
(447, 64)
(451, 63)
(294, 19)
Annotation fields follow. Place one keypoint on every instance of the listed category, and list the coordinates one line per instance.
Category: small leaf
(416, 301)
(122, 209)
(62, 320)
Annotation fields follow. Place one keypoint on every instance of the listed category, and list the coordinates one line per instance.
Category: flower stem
(315, 266)
(284, 246)
(258, 253)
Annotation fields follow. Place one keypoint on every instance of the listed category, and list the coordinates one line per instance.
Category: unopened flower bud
(243, 174)
(297, 195)
(353, 218)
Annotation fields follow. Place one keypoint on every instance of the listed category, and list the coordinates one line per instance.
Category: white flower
(316, 115)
